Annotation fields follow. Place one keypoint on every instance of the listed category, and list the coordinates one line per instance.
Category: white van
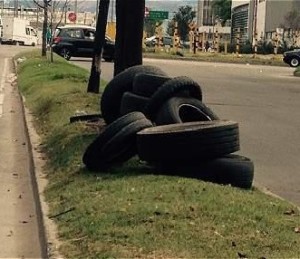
(18, 31)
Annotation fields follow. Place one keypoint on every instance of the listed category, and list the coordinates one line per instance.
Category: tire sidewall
(294, 62)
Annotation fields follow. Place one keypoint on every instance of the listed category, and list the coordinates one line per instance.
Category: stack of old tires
(165, 122)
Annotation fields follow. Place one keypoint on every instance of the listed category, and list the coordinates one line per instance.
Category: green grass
(274, 60)
(297, 72)
(133, 211)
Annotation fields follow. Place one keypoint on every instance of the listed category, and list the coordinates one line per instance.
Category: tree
(183, 17)
(128, 44)
(149, 26)
(222, 9)
(45, 5)
(94, 81)
(129, 34)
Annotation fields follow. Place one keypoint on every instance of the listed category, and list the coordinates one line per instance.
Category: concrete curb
(48, 229)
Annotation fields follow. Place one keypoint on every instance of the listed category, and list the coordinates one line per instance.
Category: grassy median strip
(133, 211)
(273, 60)
(297, 72)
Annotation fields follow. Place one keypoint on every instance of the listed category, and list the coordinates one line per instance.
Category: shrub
(246, 48)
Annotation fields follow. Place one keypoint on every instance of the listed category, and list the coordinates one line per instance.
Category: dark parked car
(292, 57)
(78, 41)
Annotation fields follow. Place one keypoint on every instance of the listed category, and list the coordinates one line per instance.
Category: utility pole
(75, 10)
(97, 10)
(254, 29)
(16, 5)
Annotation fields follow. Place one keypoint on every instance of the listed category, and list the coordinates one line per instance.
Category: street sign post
(158, 15)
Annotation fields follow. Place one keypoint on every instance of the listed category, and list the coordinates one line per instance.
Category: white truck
(18, 31)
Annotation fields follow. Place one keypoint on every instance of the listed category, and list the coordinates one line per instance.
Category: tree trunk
(129, 34)
(45, 26)
(94, 80)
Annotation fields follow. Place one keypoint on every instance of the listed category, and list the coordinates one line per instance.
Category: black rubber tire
(236, 170)
(131, 102)
(121, 83)
(183, 109)
(116, 144)
(146, 84)
(188, 142)
(171, 88)
(85, 117)
(126, 137)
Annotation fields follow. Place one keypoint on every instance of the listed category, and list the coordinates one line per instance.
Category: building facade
(260, 19)
(242, 20)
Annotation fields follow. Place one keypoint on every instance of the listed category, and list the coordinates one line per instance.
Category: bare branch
(62, 13)
(46, 4)
(40, 6)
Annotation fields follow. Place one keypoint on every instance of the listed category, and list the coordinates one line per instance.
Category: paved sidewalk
(21, 234)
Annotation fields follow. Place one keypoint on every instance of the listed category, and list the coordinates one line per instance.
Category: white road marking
(2, 83)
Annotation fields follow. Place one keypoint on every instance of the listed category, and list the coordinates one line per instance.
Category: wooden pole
(238, 41)
(94, 80)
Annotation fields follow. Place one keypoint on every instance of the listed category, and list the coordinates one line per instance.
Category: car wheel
(294, 62)
(65, 53)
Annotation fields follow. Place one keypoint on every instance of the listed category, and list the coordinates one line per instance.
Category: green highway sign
(158, 15)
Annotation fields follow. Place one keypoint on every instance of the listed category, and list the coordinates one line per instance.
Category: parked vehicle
(292, 57)
(18, 31)
(78, 41)
(166, 40)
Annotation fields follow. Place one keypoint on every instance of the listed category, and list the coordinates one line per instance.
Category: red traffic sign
(72, 17)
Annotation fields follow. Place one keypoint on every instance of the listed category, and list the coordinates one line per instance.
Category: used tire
(183, 109)
(171, 88)
(121, 83)
(146, 84)
(116, 144)
(231, 169)
(131, 102)
(188, 142)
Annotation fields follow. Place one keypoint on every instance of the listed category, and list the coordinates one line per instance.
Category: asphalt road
(265, 100)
